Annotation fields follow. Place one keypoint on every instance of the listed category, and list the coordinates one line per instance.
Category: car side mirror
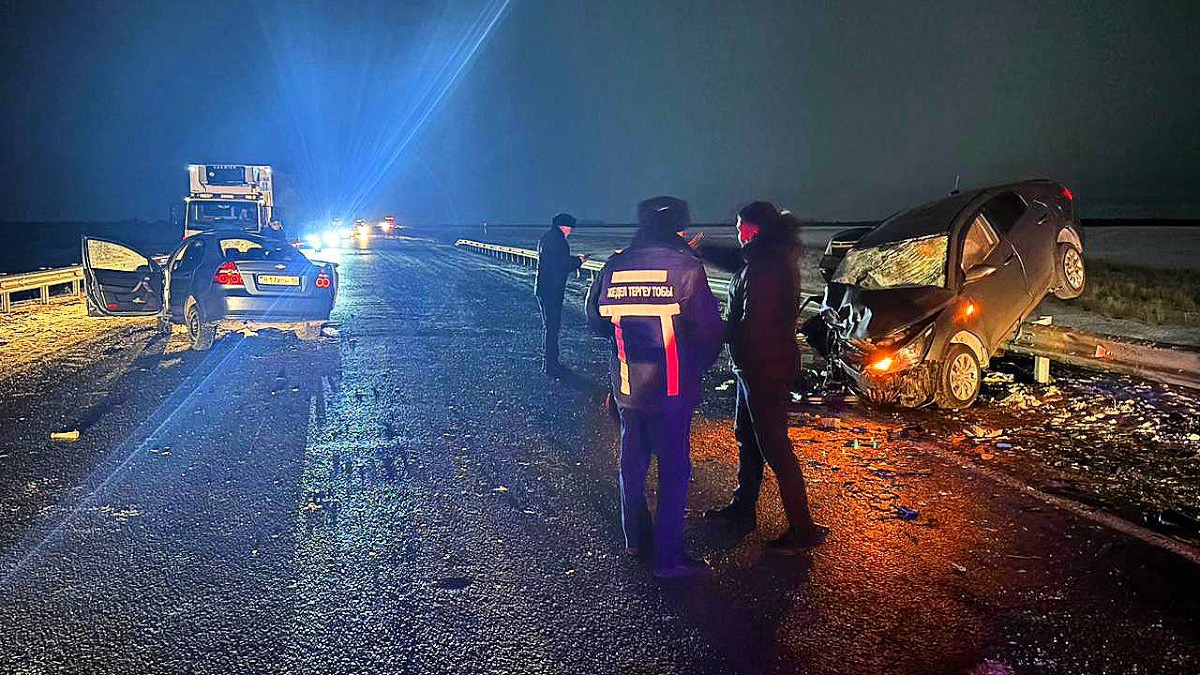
(979, 272)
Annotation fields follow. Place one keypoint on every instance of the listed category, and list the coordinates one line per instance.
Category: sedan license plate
(277, 280)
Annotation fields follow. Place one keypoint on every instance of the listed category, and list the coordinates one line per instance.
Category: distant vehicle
(237, 197)
(918, 305)
(361, 228)
(213, 280)
(388, 224)
(836, 249)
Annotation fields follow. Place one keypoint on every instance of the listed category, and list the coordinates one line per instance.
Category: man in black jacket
(555, 264)
(761, 317)
(274, 231)
(654, 301)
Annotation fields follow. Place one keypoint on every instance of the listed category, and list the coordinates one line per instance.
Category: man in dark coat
(654, 301)
(555, 264)
(761, 317)
(274, 231)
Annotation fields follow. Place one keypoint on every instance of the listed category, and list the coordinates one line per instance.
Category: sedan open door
(119, 280)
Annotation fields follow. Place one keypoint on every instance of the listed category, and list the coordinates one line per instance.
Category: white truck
(228, 197)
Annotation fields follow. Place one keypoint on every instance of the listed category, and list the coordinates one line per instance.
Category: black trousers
(551, 305)
(760, 427)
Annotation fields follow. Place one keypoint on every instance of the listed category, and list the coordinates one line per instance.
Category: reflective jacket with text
(654, 301)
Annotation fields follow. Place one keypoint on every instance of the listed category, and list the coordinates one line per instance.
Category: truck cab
(228, 197)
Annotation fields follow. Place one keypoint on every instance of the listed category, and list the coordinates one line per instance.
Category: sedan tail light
(228, 275)
(1066, 192)
(323, 280)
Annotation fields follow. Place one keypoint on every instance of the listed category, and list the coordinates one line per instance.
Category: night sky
(841, 111)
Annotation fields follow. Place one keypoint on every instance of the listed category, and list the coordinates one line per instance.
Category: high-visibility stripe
(621, 355)
(639, 277)
(672, 353)
(640, 310)
(665, 315)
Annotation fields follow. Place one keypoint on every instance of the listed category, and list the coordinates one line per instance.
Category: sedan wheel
(959, 379)
(1068, 263)
(201, 333)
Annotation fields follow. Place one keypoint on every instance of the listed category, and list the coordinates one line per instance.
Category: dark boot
(685, 569)
(795, 543)
(736, 513)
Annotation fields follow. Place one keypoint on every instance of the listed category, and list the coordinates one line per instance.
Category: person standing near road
(654, 301)
(274, 231)
(761, 315)
(555, 265)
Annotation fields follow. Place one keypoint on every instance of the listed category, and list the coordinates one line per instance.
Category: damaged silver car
(918, 306)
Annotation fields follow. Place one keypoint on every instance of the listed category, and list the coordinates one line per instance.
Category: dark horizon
(475, 110)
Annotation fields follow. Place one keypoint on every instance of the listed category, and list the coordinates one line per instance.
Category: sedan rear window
(247, 249)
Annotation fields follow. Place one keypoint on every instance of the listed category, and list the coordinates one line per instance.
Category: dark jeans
(551, 306)
(668, 435)
(760, 427)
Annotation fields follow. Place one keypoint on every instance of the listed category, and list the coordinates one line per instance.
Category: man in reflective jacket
(653, 299)
(555, 265)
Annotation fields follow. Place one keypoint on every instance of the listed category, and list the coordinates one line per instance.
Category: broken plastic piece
(68, 436)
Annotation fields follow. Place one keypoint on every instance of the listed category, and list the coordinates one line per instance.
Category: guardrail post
(5, 302)
(76, 287)
(45, 291)
(1041, 364)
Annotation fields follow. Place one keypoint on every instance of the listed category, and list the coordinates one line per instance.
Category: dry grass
(1154, 296)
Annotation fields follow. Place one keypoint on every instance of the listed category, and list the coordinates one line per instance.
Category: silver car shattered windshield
(913, 262)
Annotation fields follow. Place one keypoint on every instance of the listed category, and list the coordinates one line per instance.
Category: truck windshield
(912, 262)
(203, 215)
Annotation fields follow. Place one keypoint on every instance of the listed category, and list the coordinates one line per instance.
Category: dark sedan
(917, 306)
(214, 280)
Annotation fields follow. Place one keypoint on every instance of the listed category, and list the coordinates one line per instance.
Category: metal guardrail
(527, 257)
(1171, 364)
(44, 280)
(41, 281)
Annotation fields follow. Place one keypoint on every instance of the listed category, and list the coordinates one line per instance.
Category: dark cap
(664, 215)
(563, 220)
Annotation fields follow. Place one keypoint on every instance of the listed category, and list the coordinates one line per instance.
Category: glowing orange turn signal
(882, 365)
(967, 311)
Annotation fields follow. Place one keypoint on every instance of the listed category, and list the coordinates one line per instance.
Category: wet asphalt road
(414, 496)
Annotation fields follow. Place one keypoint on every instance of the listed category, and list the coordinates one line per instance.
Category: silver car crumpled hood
(874, 314)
